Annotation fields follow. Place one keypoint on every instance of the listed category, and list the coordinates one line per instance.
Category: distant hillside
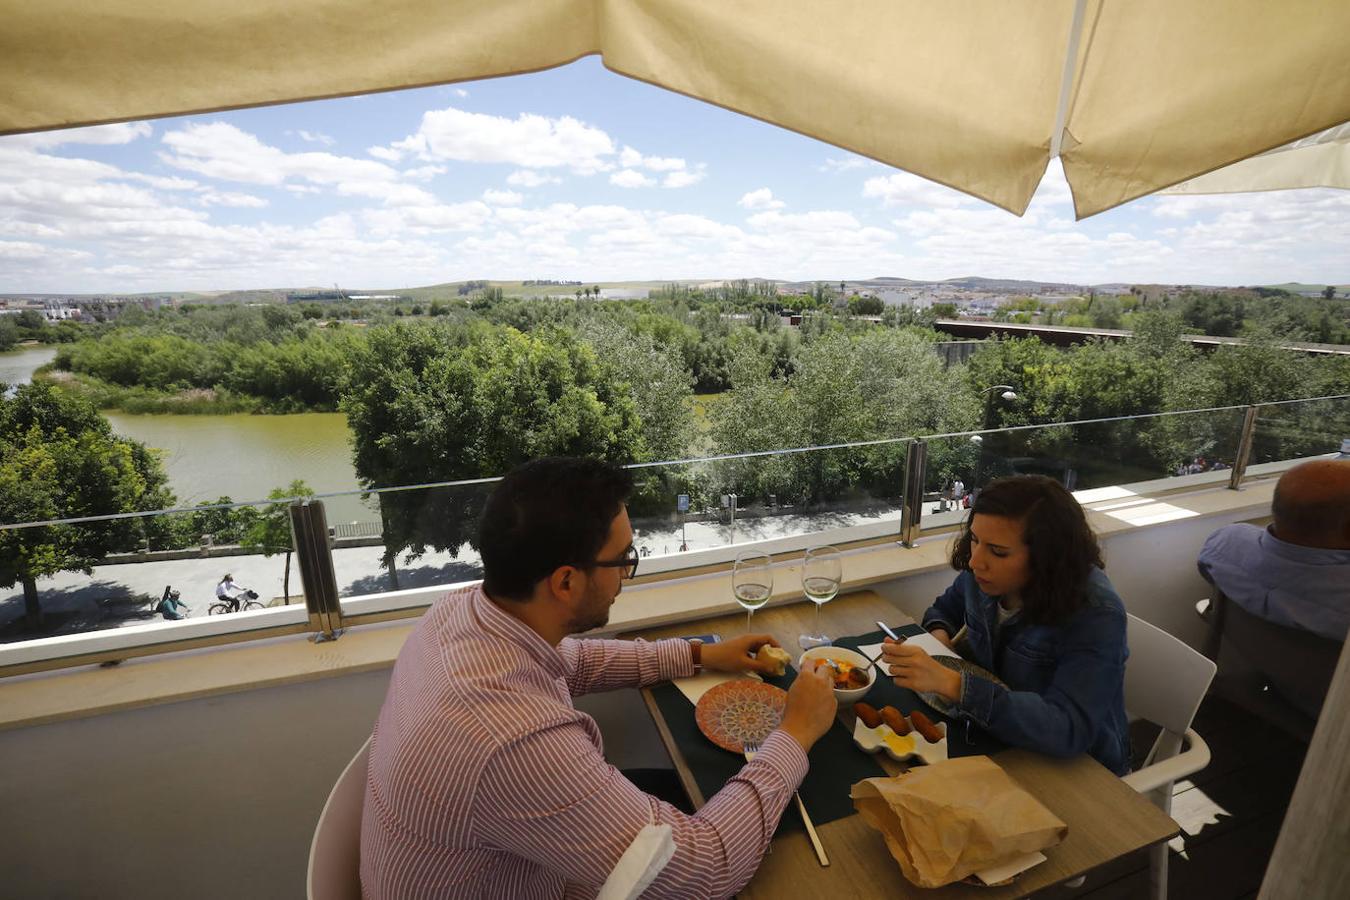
(1295, 287)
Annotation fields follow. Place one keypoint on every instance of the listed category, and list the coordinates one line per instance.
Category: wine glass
(752, 581)
(822, 570)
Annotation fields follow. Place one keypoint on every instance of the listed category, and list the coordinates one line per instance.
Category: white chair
(1165, 680)
(335, 853)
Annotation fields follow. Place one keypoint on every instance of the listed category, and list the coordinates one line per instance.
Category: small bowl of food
(852, 672)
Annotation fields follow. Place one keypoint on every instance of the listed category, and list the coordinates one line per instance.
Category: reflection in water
(247, 456)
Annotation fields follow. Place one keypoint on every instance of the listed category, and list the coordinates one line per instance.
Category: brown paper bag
(945, 821)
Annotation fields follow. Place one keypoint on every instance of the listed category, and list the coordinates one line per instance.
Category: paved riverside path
(125, 593)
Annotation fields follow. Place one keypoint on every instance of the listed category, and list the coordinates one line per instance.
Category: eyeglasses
(629, 562)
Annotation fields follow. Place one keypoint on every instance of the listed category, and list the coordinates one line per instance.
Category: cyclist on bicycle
(229, 592)
(169, 606)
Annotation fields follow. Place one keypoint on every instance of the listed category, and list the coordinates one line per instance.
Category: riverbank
(105, 395)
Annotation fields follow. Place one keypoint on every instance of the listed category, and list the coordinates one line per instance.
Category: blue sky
(578, 174)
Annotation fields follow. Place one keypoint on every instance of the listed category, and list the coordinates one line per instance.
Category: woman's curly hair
(1062, 546)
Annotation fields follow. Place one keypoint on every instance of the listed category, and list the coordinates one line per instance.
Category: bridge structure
(979, 329)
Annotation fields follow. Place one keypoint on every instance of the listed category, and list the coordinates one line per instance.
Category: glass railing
(393, 550)
(1087, 454)
(697, 506)
(153, 577)
(1300, 429)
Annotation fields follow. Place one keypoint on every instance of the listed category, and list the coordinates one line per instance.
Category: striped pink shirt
(485, 781)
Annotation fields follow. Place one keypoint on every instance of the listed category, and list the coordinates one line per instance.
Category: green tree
(865, 305)
(270, 531)
(1329, 292)
(656, 381)
(59, 459)
(432, 404)
(9, 332)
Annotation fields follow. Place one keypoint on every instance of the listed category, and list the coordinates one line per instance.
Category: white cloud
(164, 183)
(222, 151)
(460, 92)
(531, 141)
(427, 219)
(632, 159)
(232, 198)
(528, 178)
(503, 198)
(424, 173)
(904, 189)
(685, 178)
(316, 137)
(844, 164)
(683, 225)
(121, 133)
(630, 178)
(385, 153)
(1053, 189)
(760, 199)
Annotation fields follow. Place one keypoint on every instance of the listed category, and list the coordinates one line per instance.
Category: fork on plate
(751, 748)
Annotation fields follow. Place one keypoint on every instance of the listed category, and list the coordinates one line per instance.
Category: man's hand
(810, 707)
(738, 654)
(943, 637)
(913, 668)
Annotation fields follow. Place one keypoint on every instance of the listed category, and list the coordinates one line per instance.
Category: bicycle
(241, 602)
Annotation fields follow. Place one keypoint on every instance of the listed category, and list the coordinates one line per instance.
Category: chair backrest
(335, 853)
(1297, 663)
(1165, 679)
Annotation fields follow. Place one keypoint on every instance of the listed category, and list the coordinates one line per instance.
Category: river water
(241, 456)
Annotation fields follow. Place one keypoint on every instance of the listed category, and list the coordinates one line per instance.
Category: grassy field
(1342, 290)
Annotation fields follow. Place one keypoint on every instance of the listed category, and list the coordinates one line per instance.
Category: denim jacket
(1065, 691)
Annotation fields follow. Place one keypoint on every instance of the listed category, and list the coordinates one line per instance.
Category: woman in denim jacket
(1033, 606)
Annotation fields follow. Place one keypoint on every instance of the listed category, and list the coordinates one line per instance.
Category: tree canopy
(60, 460)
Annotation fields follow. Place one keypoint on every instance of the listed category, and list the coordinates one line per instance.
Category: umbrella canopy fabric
(1322, 160)
(978, 95)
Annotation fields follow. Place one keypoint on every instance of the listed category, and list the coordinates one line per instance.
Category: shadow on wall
(90, 607)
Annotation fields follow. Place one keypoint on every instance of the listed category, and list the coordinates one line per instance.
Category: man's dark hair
(1063, 548)
(549, 512)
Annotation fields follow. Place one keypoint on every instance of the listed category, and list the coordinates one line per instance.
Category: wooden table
(1106, 818)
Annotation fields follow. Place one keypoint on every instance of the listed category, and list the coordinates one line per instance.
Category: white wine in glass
(752, 581)
(822, 570)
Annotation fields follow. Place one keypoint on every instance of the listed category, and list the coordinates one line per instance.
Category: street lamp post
(1007, 394)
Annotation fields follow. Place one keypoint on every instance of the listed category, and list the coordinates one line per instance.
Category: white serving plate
(901, 748)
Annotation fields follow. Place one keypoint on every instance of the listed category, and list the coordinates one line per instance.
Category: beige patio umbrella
(1133, 95)
(1322, 160)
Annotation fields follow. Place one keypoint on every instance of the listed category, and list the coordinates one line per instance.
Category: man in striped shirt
(485, 781)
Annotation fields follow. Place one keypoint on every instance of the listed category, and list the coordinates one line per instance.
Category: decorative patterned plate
(736, 712)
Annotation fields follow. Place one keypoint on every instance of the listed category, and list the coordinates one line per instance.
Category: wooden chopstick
(811, 832)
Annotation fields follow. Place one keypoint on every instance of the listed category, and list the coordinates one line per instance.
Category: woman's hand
(913, 668)
(738, 654)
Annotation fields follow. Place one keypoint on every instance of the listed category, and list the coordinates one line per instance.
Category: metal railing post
(1244, 448)
(911, 513)
(309, 527)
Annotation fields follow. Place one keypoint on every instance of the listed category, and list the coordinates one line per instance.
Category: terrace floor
(1230, 814)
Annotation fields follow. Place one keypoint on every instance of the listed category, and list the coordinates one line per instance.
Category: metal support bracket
(309, 530)
(911, 512)
(1244, 452)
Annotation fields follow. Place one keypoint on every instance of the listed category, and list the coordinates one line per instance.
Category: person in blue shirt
(1295, 573)
(169, 606)
(1033, 607)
